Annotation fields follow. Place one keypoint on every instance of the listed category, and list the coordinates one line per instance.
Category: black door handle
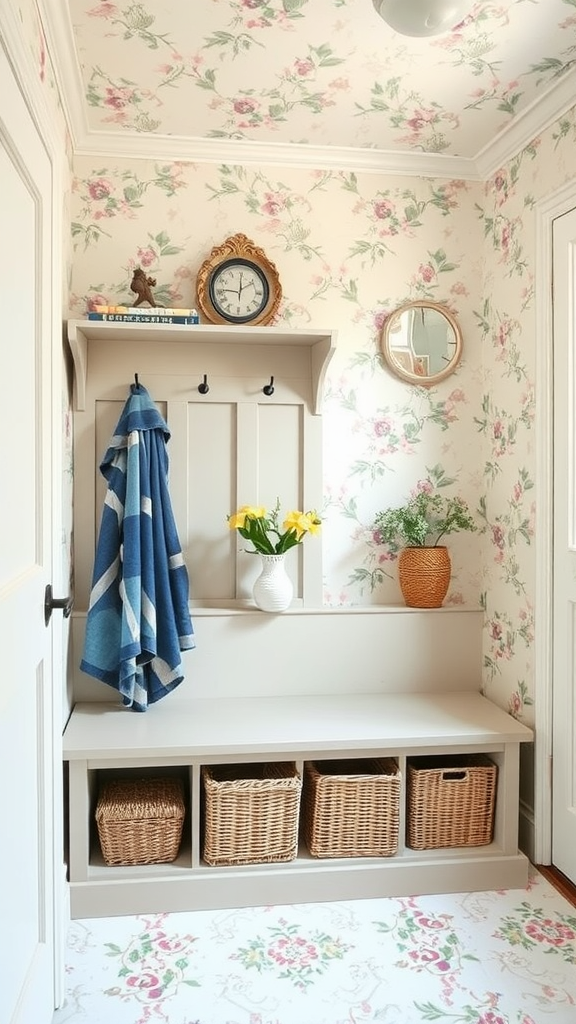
(50, 603)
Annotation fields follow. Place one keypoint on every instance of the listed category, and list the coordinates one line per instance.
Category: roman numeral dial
(237, 284)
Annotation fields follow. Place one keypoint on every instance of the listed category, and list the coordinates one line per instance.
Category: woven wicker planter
(424, 576)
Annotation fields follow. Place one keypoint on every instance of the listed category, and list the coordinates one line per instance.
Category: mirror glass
(421, 342)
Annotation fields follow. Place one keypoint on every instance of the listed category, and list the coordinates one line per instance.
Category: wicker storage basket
(140, 820)
(251, 813)
(450, 801)
(351, 808)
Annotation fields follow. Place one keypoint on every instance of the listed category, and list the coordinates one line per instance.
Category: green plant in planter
(423, 521)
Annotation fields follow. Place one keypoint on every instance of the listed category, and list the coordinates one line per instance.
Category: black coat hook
(204, 388)
(268, 389)
(136, 381)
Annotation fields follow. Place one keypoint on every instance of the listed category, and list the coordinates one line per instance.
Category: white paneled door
(26, 695)
(564, 555)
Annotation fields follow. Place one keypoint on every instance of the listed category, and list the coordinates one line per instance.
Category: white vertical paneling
(210, 545)
(246, 458)
(279, 455)
(280, 470)
(247, 493)
(233, 446)
(312, 579)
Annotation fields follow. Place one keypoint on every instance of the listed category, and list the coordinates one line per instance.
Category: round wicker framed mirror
(421, 342)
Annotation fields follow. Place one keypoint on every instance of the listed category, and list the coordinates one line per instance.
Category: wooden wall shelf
(82, 334)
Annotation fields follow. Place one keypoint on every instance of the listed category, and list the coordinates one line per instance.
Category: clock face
(239, 290)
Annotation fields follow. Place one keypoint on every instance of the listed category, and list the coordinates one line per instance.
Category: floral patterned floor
(481, 958)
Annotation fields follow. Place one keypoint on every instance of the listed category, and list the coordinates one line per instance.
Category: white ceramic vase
(273, 589)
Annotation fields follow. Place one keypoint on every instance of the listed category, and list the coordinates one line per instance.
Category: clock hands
(241, 286)
(231, 287)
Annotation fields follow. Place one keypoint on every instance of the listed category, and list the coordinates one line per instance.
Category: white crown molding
(223, 151)
(546, 109)
(57, 25)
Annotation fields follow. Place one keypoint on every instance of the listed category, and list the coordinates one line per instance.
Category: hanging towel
(138, 620)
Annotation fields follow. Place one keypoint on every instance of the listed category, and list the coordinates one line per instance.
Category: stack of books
(144, 315)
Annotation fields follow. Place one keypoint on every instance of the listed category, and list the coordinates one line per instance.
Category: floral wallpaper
(350, 248)
(391, 240)
(339, 76)
(506, 422)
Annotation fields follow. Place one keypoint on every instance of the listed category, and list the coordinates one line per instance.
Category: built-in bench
(262, 687)
(102, 741)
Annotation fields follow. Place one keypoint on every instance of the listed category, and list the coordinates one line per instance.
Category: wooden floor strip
(559, 881)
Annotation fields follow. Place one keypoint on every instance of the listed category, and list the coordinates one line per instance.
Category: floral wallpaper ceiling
(327, 73)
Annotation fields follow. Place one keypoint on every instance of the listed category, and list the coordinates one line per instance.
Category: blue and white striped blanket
(138, 620)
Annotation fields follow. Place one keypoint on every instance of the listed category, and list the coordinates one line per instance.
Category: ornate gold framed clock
(238, 284)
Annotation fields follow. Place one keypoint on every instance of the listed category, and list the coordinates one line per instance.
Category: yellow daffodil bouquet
(263, 530)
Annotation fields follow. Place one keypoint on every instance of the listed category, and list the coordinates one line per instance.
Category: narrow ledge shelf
(247, 608)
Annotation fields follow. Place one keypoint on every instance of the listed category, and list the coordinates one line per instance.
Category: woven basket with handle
(451, 801)
(424, 576)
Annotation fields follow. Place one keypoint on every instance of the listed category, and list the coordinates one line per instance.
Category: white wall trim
(547, 210)
(26, 75)
(135, 145)
(547, 108)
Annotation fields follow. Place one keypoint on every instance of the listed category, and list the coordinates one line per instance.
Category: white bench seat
(182, 736)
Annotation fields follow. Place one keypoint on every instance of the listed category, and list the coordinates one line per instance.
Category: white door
(564, 552)
(27, 777)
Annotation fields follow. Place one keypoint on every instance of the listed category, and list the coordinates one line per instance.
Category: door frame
(18, 51)
(547, 211)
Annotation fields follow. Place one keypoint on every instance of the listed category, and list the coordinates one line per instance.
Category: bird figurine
(143, 286)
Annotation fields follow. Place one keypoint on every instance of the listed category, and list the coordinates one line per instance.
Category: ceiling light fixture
(422, 17)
